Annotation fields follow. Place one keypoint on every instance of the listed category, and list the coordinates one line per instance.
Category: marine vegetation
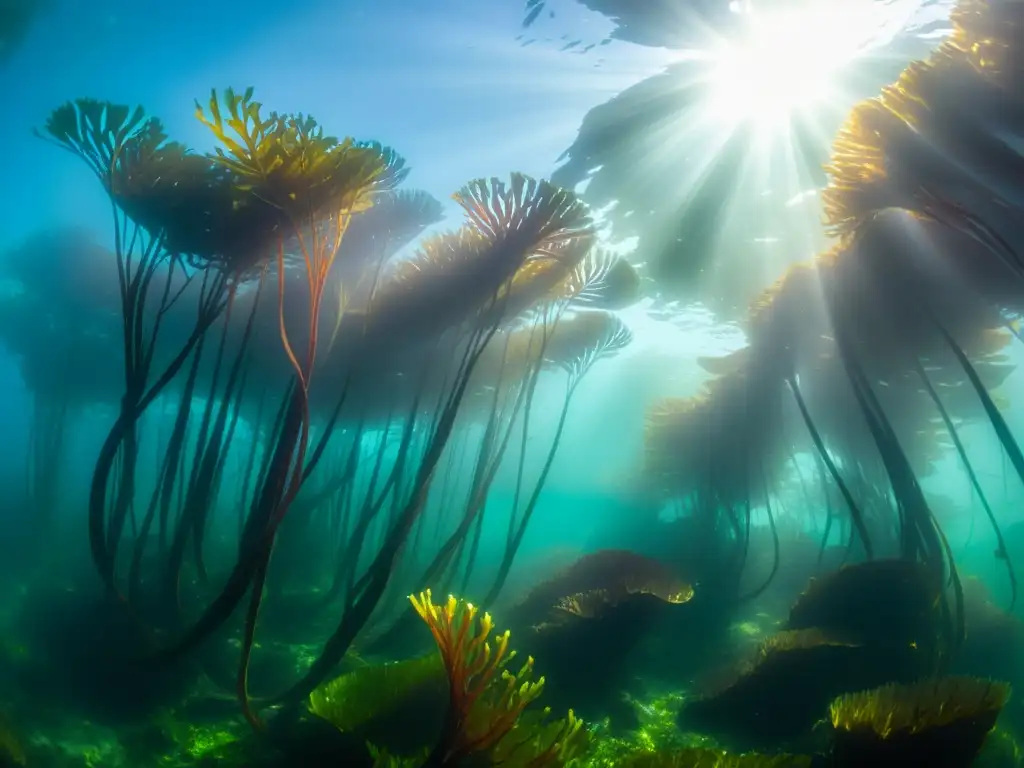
(696, 244)
(396, 705)
(709, 758)
(858, 358)
(214, 255)
(487, 704)
(940, 722)
(311, 406)
(593, 614)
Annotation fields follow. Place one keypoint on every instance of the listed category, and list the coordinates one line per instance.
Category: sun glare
(787, 62)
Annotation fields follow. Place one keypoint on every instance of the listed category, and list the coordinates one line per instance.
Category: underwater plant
(710, 758)
(866, 340)
(939, 722)
(687, 241)
(396, 706)
(487, 704)
(198, 238)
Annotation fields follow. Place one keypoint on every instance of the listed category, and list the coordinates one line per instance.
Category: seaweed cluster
(940, 722)
(489, 711)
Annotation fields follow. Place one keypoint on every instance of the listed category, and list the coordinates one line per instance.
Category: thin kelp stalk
(972, 476)
(488, 460)
(920, 535)
(829, 512)
(163, 493)
(611, 335)
(491, 451)
(208, 447)
(1010, 445)
(855, 511)
(776, 559)
(379, 572)
(743, 542)
(914, 539)
(372, 506)
(213, 448)
(266, 464)
(803, 483)
(174, 466)
(250, 463)
(137, 399)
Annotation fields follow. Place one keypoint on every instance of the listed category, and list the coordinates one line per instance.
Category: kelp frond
(350, 701)
(456, 274)
(544, 214)
(99, 132)
(545, 278)
(287, 161)
(603, 280)
(987, 33)
(857, 169)
(586, 336)
(919, 706)
(538, 742)
(486, 701)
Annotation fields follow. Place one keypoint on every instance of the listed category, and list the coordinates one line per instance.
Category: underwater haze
(527, 383)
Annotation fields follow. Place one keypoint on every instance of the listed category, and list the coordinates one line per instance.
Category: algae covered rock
(939, 723)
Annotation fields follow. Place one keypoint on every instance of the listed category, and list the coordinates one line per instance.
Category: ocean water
(678, 339)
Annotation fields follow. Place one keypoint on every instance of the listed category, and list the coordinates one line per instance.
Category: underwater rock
(775, 697)
(606, 578)
(591, 616)
(881, 602)
(939, 723)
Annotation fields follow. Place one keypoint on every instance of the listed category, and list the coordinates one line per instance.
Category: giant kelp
(868, 340)
(199, 241)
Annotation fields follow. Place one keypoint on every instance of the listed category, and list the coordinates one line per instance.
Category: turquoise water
(636, 327)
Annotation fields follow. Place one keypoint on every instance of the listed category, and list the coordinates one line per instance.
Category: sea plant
(936, 722)
(487, 705)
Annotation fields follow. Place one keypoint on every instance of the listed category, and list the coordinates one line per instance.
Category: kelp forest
(291, 426)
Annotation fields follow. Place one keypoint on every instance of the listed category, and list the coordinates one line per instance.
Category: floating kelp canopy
(692, 222)
(893, 337)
